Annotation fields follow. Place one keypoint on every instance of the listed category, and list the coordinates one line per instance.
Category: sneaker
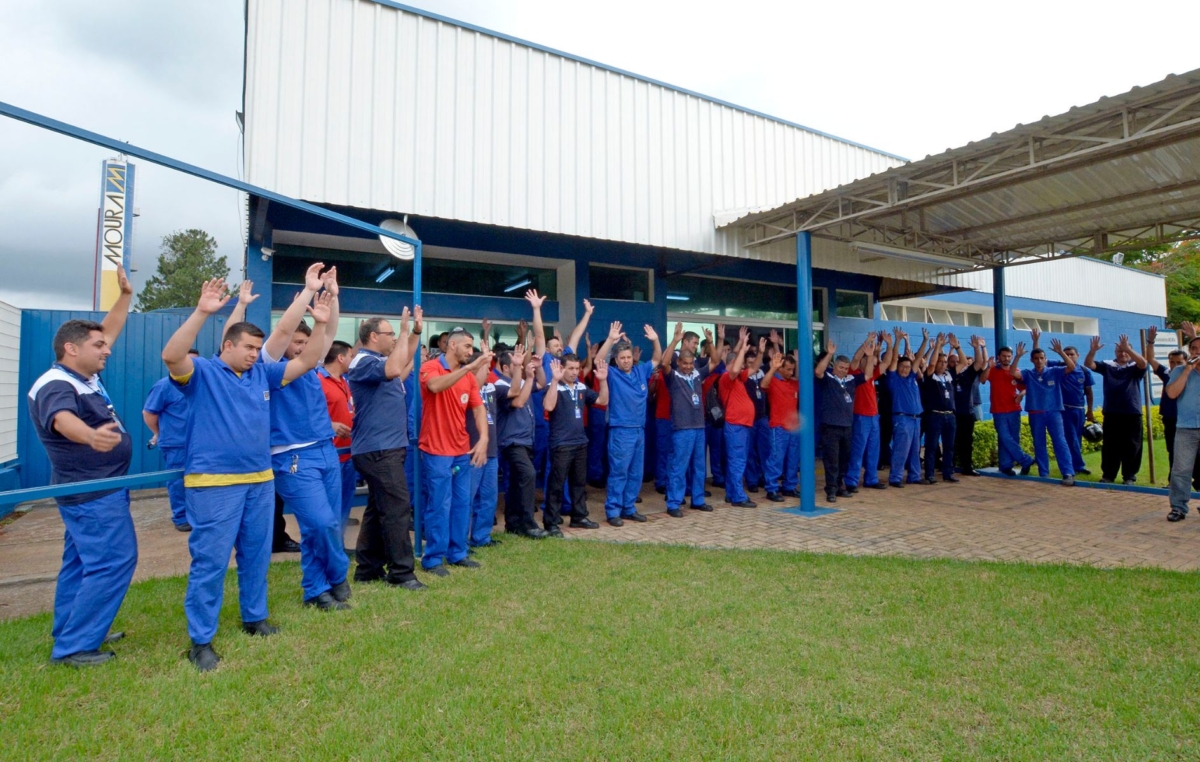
(1068, 481)
(84, 658)
(1176, 515)
(1127, 482)
(675, 513)
(1105, 481)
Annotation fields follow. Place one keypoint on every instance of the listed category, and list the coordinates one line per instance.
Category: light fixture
(678, 298)
(387, 273)
(956, 263)
(518, 284)
(267, 253)
(398, 249)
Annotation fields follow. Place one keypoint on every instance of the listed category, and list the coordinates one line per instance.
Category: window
(893, 313)
(738, 300)
(625, 284)
(975, 319)
(853, 304)
(1049, 325)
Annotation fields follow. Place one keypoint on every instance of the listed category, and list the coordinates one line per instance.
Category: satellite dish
(398, 249)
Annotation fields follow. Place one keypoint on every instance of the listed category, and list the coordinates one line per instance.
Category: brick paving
(979, 519)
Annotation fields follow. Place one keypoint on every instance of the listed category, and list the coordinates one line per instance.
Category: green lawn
(591, 651)
(1092, 459)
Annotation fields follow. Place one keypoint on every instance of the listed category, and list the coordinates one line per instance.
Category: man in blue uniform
(1076, 390)
(485, 479)
(566, 399)
(165, 413)
(308, 474)
(227, 474)
(759, 450)
(685, 383)
(627, 394)
(85, 440)
(518, 379)
(905, 392)
(1044, 403)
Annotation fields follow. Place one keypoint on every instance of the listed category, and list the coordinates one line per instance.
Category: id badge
(578, 413)
(489, 419)
(946, 393)
(695, 400)
(847, 398)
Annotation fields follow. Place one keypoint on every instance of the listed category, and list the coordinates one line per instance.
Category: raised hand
(776, 361)
(1096, 345)
(522, 330)
(312, 277)
(775, 337)
(405, 316)
(123, 281)
(246, 293)
(1035, 332)
(1189, 330)
(1056, 346)
(614, 331)
(637, 353)
(556, 371)
(1123, 341)
(941, 341)
(762, 345)
(1020, 349)
(212, 296)
(1151, 334)
(518, 356)
(743, 335)
(105, 437)
(534, 299)
(708, 335)
(720, 332)
(486, 327)
(587, 307)
(322, 307)
(651, 334)
(678, 337)
(924, 334)
(329, 278)
(953, 339)
(418, 318)
(830, 347)
(483, 361)
(601, 369)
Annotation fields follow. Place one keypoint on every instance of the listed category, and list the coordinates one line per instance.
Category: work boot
(326, 602)
(203, 656)
(84, 658)
(260, 628)
(341, 591)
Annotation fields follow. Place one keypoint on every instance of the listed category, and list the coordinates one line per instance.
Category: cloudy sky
(910, 78)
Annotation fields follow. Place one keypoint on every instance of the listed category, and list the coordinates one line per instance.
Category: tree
(187, 259)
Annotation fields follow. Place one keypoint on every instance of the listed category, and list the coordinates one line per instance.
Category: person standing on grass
(837, 387)
(85, 440)
(627, 395)
(904, 389)
(518, 379)
(566, 399)
(448, 394)
(340, 404)
(783, 401)
(165, 413)
(485, 479)
(1044, 403)
(966, 391)
(228, 474)
(1006, 392)
(1184, 389)
(1168, 408)
(684, 383)
(1121, 450)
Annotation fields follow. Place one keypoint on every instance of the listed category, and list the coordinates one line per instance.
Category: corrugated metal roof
(373, 105)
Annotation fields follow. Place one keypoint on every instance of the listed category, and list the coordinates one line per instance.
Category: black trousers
(568, 465)
(1121, 449)
(939, 443)
(1169, 433)
(964, 442)
(835, 455)
(385, 546)
(522, 487)
(279, 535)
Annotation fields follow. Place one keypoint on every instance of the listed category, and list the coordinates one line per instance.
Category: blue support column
(999, 309)
(804, 372)
(415, 487)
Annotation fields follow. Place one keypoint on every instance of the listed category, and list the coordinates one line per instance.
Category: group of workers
(301, 418)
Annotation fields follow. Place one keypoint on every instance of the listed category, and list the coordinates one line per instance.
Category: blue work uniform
(687, 438)
(905, 393)
(627, 393)
(515, 430)
(1044, 403)
(228, 482)
(485, 479)
(171, 407)
(99, 544)
(1074, 398)
(308, 476)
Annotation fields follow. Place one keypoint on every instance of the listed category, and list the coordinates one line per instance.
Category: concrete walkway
(979, 519)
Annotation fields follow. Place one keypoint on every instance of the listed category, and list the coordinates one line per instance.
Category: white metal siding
(10, 360)
(354, 103)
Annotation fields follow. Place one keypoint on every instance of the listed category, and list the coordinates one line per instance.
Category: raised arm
(1057, 347)
(614, 333)
(329, 279)
(1151, 338)
(277, 343)
(580, 327)
(669, 354)
(823, 364)
(439, 384)
(523, 370)
(314, 350)
(1138, 360)
(740, 360)
(1036, 333)
(175, 354)
(114, 321)
(550, 400)
(1176, 387)
(399, 362)
(935, 353)
(654, 342)
(981, 355)
(602, 377)
(539, 331)
(772, 369)
(246, 297)
(961, 361)
(1089, 362)
(870, 358)
(1013, 370)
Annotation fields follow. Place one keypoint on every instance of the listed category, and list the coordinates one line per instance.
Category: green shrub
(987, 453)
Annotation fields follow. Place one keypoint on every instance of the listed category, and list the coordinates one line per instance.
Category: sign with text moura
(114, 231)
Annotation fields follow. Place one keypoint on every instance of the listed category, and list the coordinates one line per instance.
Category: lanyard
(94, 384)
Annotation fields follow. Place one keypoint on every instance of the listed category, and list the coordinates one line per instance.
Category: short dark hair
(237, 330)
(503, 358)
(336, 350)
(1037, 351)
(1071, 349)
(789, 360)
(194, 351)
(904, 358)
(687, 354)
(841, 358)
(689, 335)
(621, 347)
(303, 328)
(1179, 352)
(368, 327)
(571, 358)
(1004, 349)
(73, 332)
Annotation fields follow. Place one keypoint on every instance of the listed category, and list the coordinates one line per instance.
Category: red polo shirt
(865, 401)
(662, 398)
(739, 408)
(341, 406)
(444, 415)
(1004, 390)
(783, 402)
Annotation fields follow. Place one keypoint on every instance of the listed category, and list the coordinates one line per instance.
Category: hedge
(986, 453)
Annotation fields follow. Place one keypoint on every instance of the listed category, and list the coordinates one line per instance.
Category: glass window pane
(1043, 324)
(939, 317)
(853, 304)
(619, 283)
(1068, 326)
(975, 320)
(957, 318)
(721, 298)
(893, 312)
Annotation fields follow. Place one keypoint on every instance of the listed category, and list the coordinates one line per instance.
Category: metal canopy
(1122, 173)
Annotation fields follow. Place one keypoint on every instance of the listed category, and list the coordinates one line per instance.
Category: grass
(1092, 461)
(593, 651)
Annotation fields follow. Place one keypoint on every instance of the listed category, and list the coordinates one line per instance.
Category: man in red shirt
(864, 438)
(341, 413)
(739, 421)
(1006, 393)
(448, 390)
(663, 432)
(783, 404)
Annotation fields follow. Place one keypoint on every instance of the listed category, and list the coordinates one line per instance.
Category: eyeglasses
(384, 333)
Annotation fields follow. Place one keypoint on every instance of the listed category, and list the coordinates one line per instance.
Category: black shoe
(597, 485)
(638, 500)
(1084, 471)
(558, 521)
(661, 490)
(287, 546)
(555, 532)
(439, 571)
(877, 485)
(466, 563)
(1025, 469)
(84, 658)
(704, 507)
(1008, 472)
(929, 482)
(533, 533)
(260, 628)
(616, 522)
(675, 513)
(951, 478)
(185, 527)
(1105, 481)
(830, 497)
(852, 490)
(635, 516)
(368, 578)
(1174, 515)
(790, 493)
(897, 485)
(352, 522)
(970, 472)
(340, 591)
(752, 490)
(326, 602)
(584, 524)
(746, 504)
(843, 493)
(775, 497)
(409, 584)
(204, 657)
(1127, 482)
(707, 493)
(113, 637)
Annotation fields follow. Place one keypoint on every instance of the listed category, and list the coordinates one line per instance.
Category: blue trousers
(239, 516)
(906, 449)
(173, 457)
(1074, 419)
(597, 446)
(783, 466)
(446, 516)
(1050, 422)
(939, 429)
(664, 445)
(737, 450)
(1008, 434)
(349, 482)
(759, 454)
(626, 461)
(99, 556)
(314, 493)
(687, 467)
(864, 451)
(715, 437)
(485, 485)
